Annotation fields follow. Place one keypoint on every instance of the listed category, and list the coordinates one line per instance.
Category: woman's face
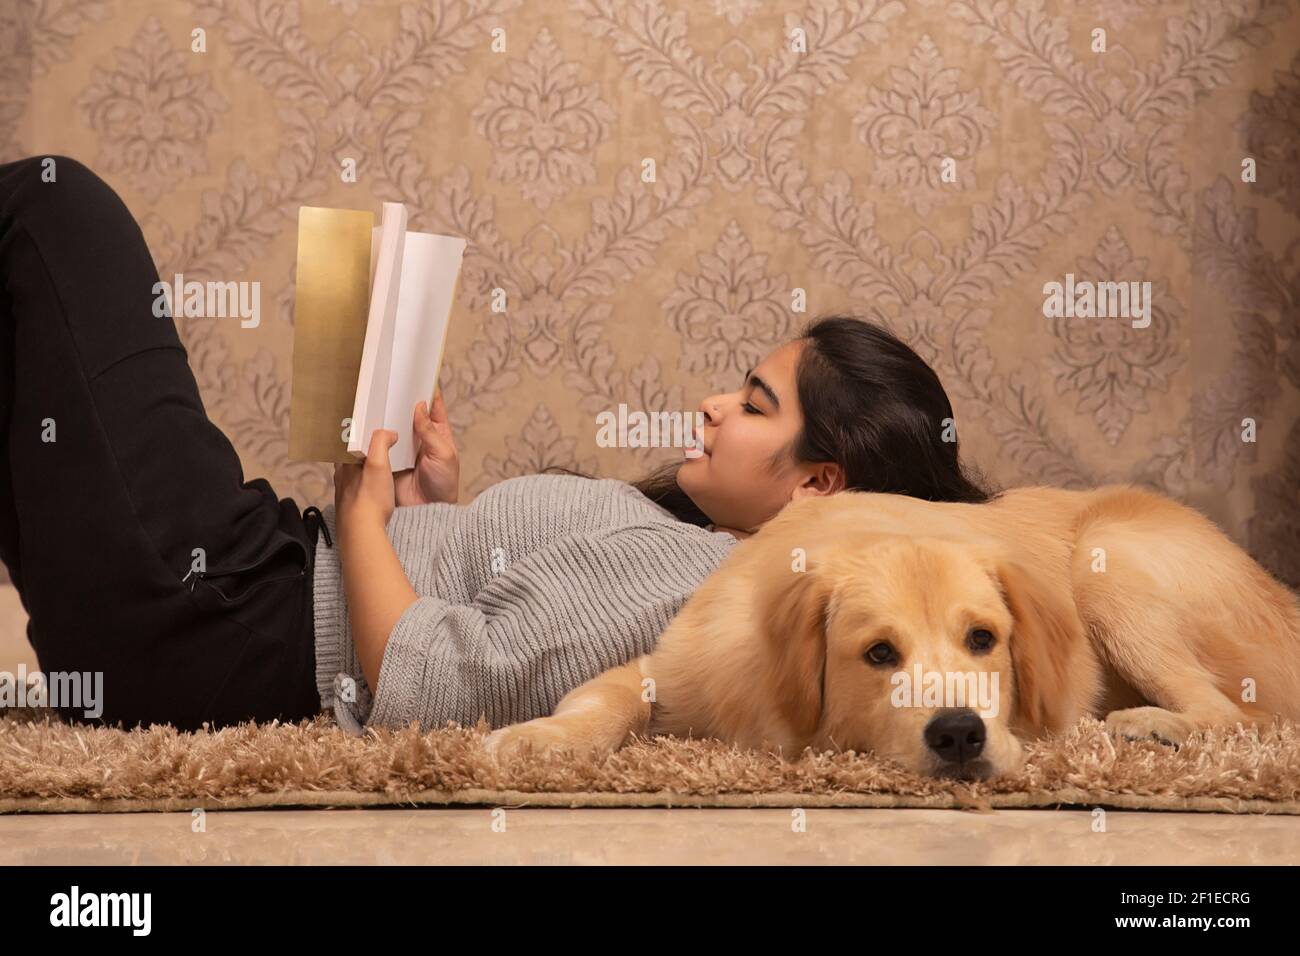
(746, 474)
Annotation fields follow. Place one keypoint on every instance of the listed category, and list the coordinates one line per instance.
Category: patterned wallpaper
(931, 164)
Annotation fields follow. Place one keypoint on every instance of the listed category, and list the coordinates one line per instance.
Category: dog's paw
(533, 736)
(1144, 723)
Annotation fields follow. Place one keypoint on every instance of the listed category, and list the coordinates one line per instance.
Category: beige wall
(775, 171)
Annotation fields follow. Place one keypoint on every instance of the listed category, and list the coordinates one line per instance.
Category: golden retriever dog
(945, 635)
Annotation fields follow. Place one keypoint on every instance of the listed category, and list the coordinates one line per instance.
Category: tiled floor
(598, 836)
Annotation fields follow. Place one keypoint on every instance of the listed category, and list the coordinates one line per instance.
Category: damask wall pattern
(525, 127)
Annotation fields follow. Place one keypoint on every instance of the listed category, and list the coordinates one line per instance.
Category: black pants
(115, 487)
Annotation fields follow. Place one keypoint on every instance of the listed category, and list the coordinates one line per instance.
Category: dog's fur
(1115, 602)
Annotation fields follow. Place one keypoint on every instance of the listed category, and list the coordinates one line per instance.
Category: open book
(371, 310)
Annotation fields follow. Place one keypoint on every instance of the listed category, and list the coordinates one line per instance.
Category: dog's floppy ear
(794, 618)
(1046, 636)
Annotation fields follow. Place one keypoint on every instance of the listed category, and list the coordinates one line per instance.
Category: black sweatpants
(115, 486)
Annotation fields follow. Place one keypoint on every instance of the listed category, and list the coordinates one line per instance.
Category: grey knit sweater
(538, 585)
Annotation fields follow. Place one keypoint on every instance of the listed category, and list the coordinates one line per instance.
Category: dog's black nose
(956, 736)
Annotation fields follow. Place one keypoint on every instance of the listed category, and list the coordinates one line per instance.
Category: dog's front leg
(1180, 694)
(595, 718)
(1180, 705)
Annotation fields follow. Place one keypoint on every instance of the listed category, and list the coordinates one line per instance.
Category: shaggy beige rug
(51, 767)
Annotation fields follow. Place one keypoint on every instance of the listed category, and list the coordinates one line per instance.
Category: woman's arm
(377, 590)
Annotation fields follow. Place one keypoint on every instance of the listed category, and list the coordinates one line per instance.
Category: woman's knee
(57, 179)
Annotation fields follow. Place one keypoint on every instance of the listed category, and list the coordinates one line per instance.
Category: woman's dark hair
(871, 405)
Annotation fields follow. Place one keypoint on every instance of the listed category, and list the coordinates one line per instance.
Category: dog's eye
(881, 653)
(980, 639)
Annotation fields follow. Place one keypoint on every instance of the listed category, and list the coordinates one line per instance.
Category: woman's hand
(364, 493)
(436, 475)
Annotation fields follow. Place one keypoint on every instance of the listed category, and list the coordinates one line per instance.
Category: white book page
(377, 352)
(430, 267)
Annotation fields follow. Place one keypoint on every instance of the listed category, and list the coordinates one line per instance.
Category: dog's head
(934, 653)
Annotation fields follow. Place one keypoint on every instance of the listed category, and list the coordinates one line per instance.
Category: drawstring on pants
(315, 521)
